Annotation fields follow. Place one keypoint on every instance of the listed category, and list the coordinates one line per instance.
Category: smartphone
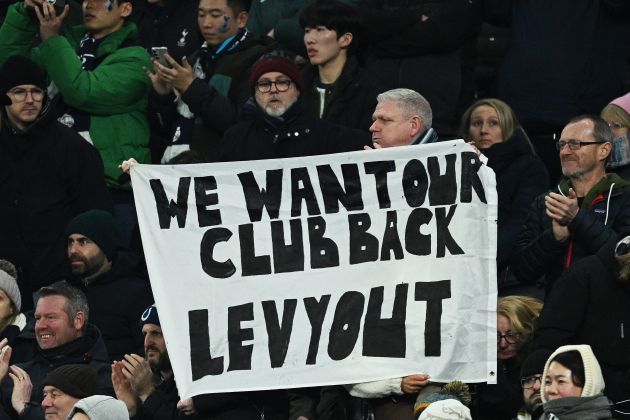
(58, 4)
(159, 52)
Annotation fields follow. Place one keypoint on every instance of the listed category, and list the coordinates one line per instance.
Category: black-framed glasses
(509, 337)
(19, 94)
(575, 144)
(282, 85)
(529, 381)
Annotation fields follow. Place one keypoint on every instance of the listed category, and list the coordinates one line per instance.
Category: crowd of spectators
(86, 85)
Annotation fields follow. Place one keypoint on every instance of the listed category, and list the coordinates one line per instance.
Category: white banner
(321, 270)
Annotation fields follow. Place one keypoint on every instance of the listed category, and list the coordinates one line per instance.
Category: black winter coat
(117, 299)
(88, 349)
(405, 50)
(296, 134)
(268, 405)
(521, 177)
(48, 175)
(352, 98)
(566, 57)
(173, 25)
(161, 404)
(539, 253)
(589, 305)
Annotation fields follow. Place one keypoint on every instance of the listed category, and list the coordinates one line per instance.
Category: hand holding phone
(159, 54)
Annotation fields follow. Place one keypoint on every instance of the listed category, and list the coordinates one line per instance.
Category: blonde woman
(490, 124)
(516, 317)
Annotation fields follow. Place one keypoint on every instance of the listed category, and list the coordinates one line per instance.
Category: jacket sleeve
(588, 229)
(18, 34)
(533, 181)
(217, 111)
(86, 178)
(537, 248)
(114, 87)
(157, 406)
(376, 389)
(563, 312)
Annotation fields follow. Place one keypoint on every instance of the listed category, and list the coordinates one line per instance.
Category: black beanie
(19, 70)
(534, 364)
(78, 381)
(99, 226)
(150, 316)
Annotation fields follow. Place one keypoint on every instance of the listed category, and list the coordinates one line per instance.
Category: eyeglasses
(616, 126)
(282, 85)
(575, 144)
(529, 381)
(510, 338)
(20, 94)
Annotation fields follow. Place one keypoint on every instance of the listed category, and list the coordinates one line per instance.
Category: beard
(84, 270)
(532, 404)
(277, 108)
(161, 364)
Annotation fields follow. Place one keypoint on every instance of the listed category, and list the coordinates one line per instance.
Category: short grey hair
(411, 103)
(76, 299)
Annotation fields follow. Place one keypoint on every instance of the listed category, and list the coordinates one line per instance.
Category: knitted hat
(150, 316)
(454, 395)
(279, 63)
(78, 381)
(623, 102)
(534, 364)
(8, 283)
(101, 407)
(19, 70)
(450, 409)
(593, 379)
(99, 226)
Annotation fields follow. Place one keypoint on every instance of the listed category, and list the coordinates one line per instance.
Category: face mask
(620, 154)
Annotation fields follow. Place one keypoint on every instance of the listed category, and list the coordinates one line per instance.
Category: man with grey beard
(588, 207)
(276, 122)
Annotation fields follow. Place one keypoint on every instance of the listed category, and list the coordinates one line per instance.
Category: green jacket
(115, 94)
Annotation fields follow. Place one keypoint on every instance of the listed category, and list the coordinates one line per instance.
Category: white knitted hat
(450, 409)
(593, 378)
(101, 407)
(9, 285)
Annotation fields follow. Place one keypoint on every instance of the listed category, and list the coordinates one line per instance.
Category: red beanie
(276, 63)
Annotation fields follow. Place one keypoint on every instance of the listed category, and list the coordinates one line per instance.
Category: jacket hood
(607, 184)
(593, 378)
